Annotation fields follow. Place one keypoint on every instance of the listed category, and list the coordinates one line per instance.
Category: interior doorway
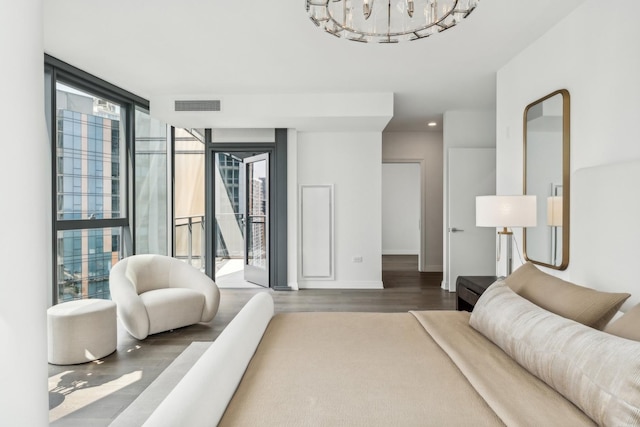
(399, 263)
(241, 209)
(401, 213)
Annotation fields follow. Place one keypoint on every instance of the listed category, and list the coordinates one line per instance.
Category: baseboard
(433, 269)
(340, 284)
(445, 286)
(399, 252)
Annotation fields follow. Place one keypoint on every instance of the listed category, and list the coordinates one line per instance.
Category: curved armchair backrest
(149, 272)
(130, 307)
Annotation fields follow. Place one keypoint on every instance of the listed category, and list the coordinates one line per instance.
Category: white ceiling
(162, 47)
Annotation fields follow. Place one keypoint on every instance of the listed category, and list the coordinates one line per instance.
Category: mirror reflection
(546, 175)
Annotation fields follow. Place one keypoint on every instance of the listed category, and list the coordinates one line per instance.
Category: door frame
(448, 281)
(277, 202)
(422, 253)
(421, 210)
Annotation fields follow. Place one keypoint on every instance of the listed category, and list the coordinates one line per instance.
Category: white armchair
(156, 293)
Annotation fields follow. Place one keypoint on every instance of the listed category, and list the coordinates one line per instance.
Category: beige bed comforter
(389, 369)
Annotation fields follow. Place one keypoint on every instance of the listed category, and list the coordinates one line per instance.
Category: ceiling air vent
(198, 105)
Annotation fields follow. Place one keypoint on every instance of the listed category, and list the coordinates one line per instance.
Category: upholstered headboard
(605, 228)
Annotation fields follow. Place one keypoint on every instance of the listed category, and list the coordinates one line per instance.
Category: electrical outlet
(357, 259)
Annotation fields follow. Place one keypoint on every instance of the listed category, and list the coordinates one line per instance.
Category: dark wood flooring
(93, 394)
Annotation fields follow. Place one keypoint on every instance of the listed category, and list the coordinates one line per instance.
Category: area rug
(140, 409)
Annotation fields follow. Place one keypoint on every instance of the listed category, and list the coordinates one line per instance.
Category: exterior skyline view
(88, 187)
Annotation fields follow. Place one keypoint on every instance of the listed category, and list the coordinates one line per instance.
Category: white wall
(351, 161)
(401, 208)
(25, 186)
(426, 149)
(463, 129)
(292, 209)
(310, 112)
(599, 66)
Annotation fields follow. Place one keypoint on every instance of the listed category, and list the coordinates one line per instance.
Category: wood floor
(93, 394)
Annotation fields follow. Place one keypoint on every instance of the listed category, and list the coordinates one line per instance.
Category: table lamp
(506, 212)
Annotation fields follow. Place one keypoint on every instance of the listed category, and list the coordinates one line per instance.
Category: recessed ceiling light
(432, 124)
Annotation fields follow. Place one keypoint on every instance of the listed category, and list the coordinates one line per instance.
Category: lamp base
(509, 236)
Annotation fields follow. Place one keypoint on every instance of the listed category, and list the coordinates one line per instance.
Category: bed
(537, 350)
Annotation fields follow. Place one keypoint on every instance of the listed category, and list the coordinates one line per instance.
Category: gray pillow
(628, 326)
(584, 305)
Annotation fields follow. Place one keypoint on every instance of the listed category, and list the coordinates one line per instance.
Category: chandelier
(387, 21)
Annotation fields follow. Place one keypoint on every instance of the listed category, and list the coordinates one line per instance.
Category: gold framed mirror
(546, 175)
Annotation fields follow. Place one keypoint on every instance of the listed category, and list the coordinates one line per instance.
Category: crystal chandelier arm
(434, 12)
(412, 19)
(366, 8)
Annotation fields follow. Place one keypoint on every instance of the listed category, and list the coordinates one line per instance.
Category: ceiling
(163, 47)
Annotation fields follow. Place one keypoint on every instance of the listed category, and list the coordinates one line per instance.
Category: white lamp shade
(506, 211)
(554, 211)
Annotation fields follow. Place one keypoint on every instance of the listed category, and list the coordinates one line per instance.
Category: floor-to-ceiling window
(90, 162)
(151, 185)
(189, 196)
(92, 125)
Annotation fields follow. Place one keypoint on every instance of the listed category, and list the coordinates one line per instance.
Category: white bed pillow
(596, 371)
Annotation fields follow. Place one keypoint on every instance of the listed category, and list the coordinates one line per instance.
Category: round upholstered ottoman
(81, 331)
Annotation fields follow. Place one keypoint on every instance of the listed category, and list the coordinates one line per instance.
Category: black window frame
(55, 71)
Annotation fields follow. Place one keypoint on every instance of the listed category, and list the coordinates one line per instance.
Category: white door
(471, 249)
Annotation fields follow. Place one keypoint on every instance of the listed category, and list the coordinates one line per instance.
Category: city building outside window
(89, 151)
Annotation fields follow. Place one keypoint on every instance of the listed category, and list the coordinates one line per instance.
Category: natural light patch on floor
(70, 391)
(231, 275)
(134, 348)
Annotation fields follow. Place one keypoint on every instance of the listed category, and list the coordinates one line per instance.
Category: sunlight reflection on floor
(75, 391)
(231, 275)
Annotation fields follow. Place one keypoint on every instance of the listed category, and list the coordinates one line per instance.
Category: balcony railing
(190, 242)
